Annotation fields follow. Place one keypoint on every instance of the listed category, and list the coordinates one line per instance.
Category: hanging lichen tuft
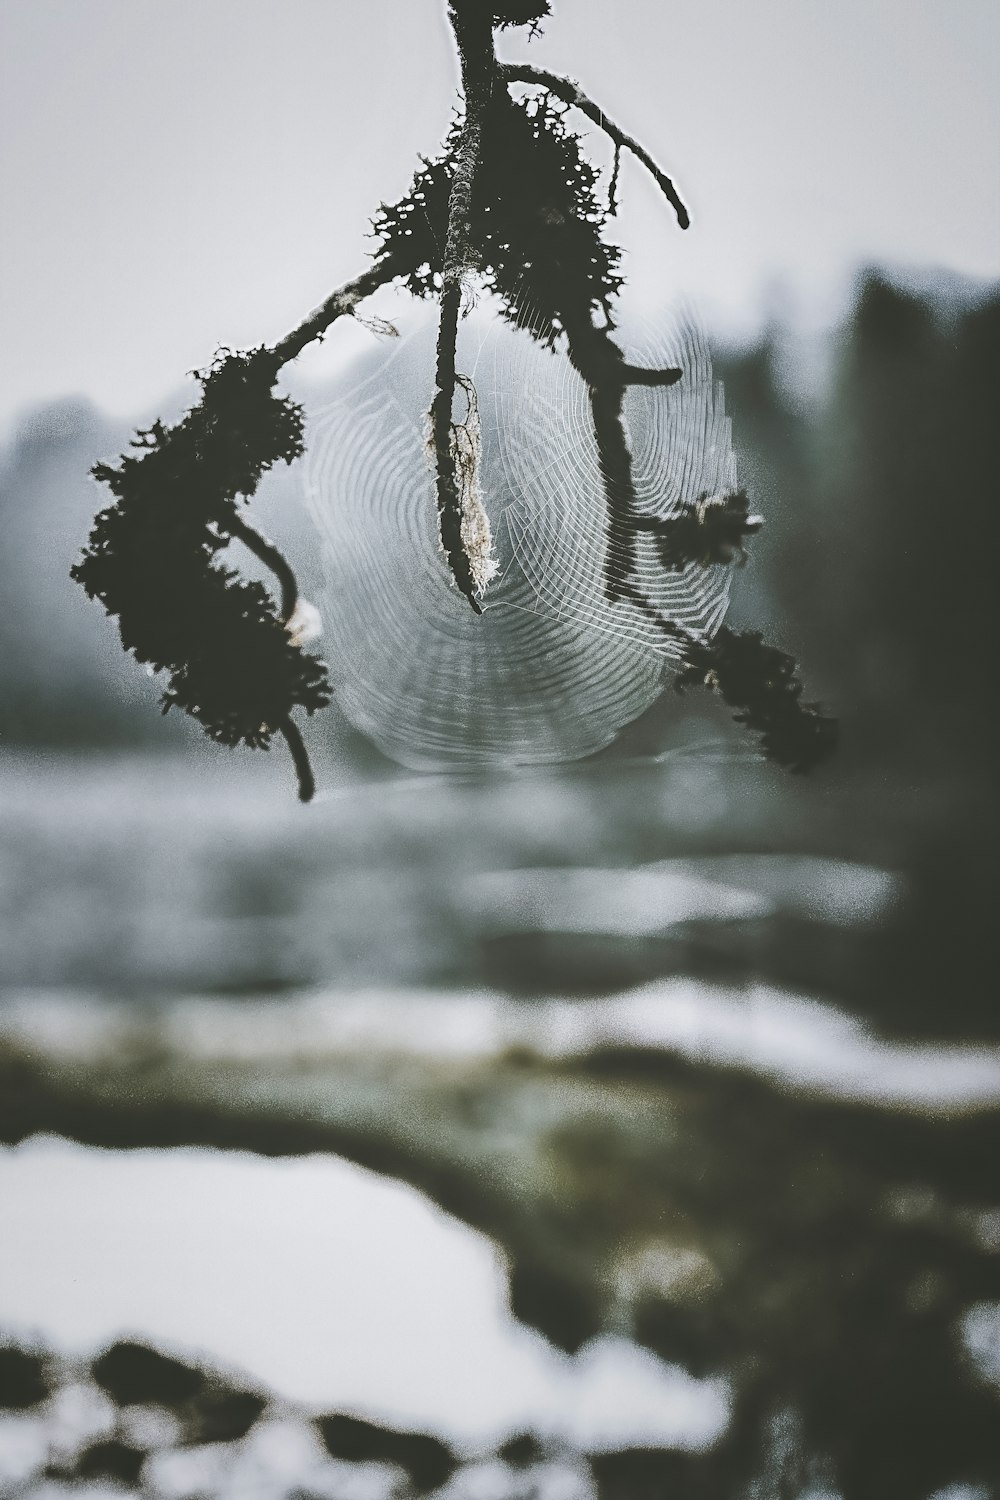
(152, 559)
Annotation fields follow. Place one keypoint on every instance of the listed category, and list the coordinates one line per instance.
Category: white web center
(552, 670)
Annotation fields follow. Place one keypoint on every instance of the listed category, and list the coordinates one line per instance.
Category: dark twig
(449, 502)
(571, 93)
(613, 184)
(289, 731)
(670, 628)
(271, 557)
(339, 303)
(595, 355)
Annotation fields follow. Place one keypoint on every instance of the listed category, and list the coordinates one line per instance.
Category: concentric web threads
(551, 670)
(560, 530)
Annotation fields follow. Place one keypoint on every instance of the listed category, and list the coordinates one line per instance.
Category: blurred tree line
(877, 554)
(876, 567)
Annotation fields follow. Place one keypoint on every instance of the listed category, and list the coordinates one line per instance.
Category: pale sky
(179, 174)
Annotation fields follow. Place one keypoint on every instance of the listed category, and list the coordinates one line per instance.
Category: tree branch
(289, 730)
(339, 303)
(272, 558)
(596, 357)
(473, 31)
(571, 93)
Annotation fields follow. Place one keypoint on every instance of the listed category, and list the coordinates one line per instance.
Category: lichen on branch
(762, 683)
(512, 200)
(152, 560)
(710, 532)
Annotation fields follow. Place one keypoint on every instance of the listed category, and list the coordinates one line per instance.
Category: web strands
(551, 671)
(559, 526)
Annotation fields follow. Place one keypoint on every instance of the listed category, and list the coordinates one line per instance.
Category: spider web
(551, 670)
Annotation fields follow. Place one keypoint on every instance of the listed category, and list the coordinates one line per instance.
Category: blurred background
(621, 1129)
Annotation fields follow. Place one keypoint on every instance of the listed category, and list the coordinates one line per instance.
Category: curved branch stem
(303, 770)
(571, 93)
(272, 558)
(613, 184)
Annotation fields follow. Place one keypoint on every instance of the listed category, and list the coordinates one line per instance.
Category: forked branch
(513, 198)
(571, 93)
